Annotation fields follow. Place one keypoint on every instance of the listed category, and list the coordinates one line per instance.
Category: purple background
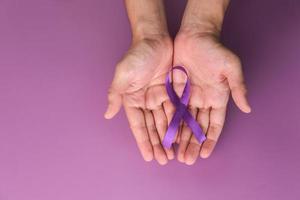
(57, 59)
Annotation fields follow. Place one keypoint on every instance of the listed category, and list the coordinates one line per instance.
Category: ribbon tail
(194, 125)
(171, 132)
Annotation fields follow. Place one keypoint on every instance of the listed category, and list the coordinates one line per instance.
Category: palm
(139, 86)
(214, 71)
(206, 61)
(143, 67)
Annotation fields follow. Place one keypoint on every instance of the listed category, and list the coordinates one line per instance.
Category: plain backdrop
(57, 58)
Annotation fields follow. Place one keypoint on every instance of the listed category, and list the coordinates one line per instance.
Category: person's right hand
(138, 84)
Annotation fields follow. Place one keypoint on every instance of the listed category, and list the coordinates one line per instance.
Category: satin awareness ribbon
(182, 112)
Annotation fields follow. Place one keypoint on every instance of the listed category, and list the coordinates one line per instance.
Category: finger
(238, 89)
(203, 118)
(161, 124)
(193, 149)
(169, 110)
(114, 104)
(137, 124)
(198, 97)
(155, 96)
(159, 152)
(185, 137)
(216, 122)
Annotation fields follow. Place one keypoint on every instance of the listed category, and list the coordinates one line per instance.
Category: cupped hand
(214, 72)
(138, 85)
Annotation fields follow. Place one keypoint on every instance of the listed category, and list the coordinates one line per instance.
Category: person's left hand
(214, 72)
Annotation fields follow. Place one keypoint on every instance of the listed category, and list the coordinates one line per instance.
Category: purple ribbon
(181, 111)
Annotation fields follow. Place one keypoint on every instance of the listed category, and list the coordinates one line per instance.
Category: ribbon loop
(181, 111)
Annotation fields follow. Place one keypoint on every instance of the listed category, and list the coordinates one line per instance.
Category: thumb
(114, 104)
(114, 97)
(238, 89)
(119, 85)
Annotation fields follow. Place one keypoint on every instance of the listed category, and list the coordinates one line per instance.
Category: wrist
(199, 30)
(204, 17)
(149, 30)
(147, 19)
(155, 41)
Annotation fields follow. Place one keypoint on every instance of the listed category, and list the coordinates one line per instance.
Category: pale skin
(138, 84)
